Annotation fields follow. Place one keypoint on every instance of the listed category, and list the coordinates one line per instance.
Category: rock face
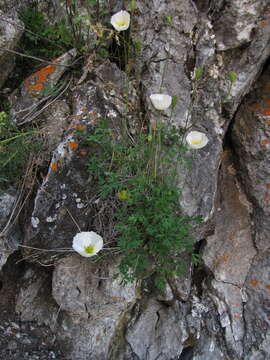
(220, 310)
(36, 90)
(10, 235)
(96, 306)
(11, 29)
(251, 138)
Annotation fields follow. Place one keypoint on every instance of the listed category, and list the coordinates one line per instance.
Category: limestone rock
(157, 331)
(251, 136)
(256, 312)
(11, 29)
(96, 305)
(224, 312)
(65, 201)
(34, 301)
(38, 88)
(10, 235)
(234, 28)
(229, 252)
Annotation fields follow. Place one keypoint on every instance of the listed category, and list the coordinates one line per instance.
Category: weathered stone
(227, 315)
(229, 252)
(251, 138)
(9, 231)
(38, 88)
(229, 302)
(234, 28)
(63, 203)
(56, 120)
(34, 301)
(95, 302)
(167, 53)
(256, 312)
(11, 29)
(157, 331)
(181, 285)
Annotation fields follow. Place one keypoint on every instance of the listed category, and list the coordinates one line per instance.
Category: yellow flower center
(196, 142)
(121, 23)
(89, 249)
(123, 195)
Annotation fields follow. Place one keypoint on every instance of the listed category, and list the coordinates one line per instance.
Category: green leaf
(198, 73)
(232, 76)
(168, 19)
(174, 101)
(133, 5)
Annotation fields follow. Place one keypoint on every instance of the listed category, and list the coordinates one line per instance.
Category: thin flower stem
(163, 74)
(46, 250)
(2, 142)
(35, 58)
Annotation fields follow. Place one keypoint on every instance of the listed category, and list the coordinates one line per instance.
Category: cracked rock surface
(221, 308)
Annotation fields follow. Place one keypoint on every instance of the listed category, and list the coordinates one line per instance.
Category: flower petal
(161, 101)
(85, 240)
(196, 139)
(121, 20)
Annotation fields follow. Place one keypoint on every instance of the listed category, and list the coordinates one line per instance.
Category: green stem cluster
(138, 176)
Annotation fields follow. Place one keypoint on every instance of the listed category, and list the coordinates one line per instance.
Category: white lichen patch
(239, 84)
(50, 219)
(197, 307)
(243, 34)
(213, 71)
(61, 149)
(209, 25)
(35, 221)
(80, 205)
(220, 60)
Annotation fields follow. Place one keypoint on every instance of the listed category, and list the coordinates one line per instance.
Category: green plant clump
(136, 172)
(15, 147)
(44, 39)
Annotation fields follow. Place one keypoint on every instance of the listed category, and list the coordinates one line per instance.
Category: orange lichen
(265, 142)
(79, 127)
(73, 145)
(254, 282)
(83, 153)
(267, 122)
(54, 166)
(35, 83)
(266, 112)
(36, 87)
(221, 260)
(267, 287)
(263, 23)
(268, 186)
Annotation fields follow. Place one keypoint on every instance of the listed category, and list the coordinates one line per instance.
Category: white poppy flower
(161, 101)
(87, 243)
(196, 139)
(121, 20)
